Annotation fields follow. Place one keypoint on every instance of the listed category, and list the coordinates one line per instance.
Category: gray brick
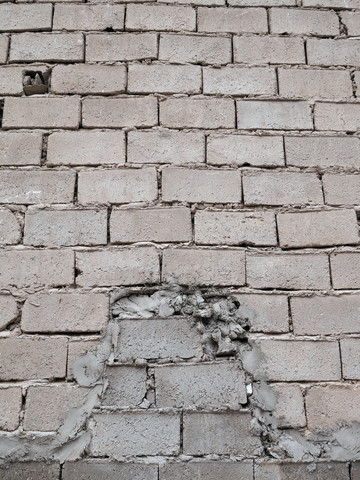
(108, 470)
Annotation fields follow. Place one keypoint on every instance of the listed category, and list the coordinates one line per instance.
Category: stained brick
(118, 186)
(83, 79)
(88, 17)
(225, 433)
(39, 470)
(235, 228)
(86, 147)
(327, 315)
(260, 151)
(288, 271)
(69, 312)
(160, 17)
(195, 49)
(120, 47)
(65, 227)
(287, 471)
(41, 112)
(150, 225)
(165, 146)
(135, 433)
(34, 187)
(212, 186)
(51, 47)
(118, 267)
(30, 358)
(247, 20)
(25, 268)
(204, 266)
(120, 112)
(293, 360)
(18, 148)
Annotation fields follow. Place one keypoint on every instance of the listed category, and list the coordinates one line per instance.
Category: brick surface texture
(179, 235)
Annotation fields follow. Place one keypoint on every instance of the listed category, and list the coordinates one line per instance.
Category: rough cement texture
(179, 273)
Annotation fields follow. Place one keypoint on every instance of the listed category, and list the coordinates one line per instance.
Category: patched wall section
(179, 265)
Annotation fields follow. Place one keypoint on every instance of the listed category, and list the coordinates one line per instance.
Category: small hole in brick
(35, 82)
(109, 29)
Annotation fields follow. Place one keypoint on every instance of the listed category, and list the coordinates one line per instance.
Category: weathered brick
(260, 151)
(135, 433)
(41, 112)
(86, 147)
(47, 406)
(8, 310)
(331, 405)
(31, 187)
(120, 47)
(235, 228)
(288, 471)
(266, 313)
(17, 17)
(120, 112)
(303, 22)
(30, 358)
(293, 360)
(236, 80)
(25, 268)
(282, 188)
(273, 50)
(329, 52)
(274, 115)
(195, 49)
(4, 42)
(308, 83)
(197, 113)
(207, 470)
(105, 470)
(262, 3)
(318, 228)
(11, 80)
(188, 386)
(355, 470)
(212, 186)
(50, 47)
(341, 189)
(163, 78)
(350, 357)
(165, 146)
(68, 312)
(10, 407)
(225, 433)
(150, 225)
(95, 79)
(209, 3)
(18, 148)
(322, 151)
(352, 22)
(10, 232)
(288, 271)
(158, 338)
(118, 186)
(204, 266)
(127, 386)
(337, 116)
(88, 17)
(345, 269)
(30, 470)
(289, 410)
(160, 17)
(118, 267)
(65, 227)
(325, 315)
(232, 20)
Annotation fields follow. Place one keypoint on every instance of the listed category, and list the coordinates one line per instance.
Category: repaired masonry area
(179, 231)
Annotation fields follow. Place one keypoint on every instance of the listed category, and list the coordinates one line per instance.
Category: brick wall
(180, 261)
